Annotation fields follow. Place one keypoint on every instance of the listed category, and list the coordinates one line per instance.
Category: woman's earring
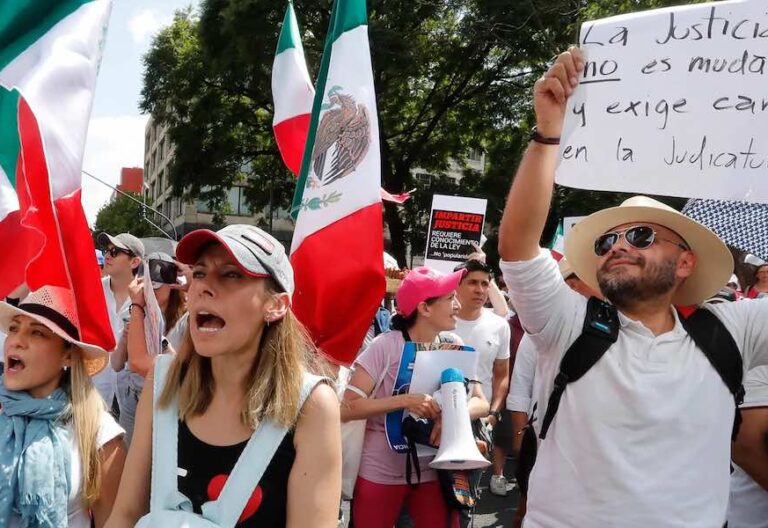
(66, 368)
(268, 320)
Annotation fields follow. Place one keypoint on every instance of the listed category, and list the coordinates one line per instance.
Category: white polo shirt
(748, 507)
(643, 439)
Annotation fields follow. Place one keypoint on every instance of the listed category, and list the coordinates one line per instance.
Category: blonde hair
(86, 408)
(274, 383)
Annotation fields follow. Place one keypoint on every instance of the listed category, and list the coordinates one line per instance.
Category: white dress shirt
(106, 380)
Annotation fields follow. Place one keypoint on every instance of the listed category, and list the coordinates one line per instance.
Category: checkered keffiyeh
(739, 224)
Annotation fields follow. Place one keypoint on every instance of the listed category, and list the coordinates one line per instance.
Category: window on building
(424, 178)
(160, 182)
(475, 155)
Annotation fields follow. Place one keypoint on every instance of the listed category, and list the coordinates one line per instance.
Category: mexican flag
(292, 92)
(557, 246)
(338, 241)
(49, 56)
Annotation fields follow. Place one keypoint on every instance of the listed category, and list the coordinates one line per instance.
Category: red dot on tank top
(252, 506)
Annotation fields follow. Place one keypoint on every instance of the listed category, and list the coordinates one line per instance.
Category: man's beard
(624, 291)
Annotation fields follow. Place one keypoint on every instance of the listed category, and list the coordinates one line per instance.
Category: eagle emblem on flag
(343, 137)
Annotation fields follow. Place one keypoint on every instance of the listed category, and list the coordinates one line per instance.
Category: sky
(116, 130)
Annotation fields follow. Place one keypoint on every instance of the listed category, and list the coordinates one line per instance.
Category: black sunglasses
(115, 251)
(639, 237)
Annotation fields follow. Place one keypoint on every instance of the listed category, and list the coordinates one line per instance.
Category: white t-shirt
(644, 438)
(78, 517)
(489, 336)
(748, 507)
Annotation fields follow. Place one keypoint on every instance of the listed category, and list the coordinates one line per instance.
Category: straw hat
(713, 267)
(54, 307)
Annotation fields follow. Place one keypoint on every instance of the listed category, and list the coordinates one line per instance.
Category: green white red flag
(338, 241)
(50, 52)
(292, 92)
(557, 246)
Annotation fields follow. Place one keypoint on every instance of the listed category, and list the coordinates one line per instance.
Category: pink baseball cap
(424, 283)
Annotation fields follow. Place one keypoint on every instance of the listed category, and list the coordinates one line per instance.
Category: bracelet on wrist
(543, 140)
(137, 305)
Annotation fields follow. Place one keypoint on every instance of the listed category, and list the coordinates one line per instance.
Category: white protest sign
(570, 221)
(455, 223)
(428, 369)
(672, 102)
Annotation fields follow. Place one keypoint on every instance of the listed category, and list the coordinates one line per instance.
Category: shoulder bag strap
(251, 465)
(716, 342)
(165, 437)
(601, 330)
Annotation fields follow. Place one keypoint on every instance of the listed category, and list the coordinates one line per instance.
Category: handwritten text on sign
(672, 102)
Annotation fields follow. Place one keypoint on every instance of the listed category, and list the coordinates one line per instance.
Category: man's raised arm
(529, 199)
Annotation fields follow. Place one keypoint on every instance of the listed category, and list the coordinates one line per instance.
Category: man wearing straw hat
(643, 438)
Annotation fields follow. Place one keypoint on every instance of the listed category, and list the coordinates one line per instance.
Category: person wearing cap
(426, 312)
(643, 439)
(60, 450)
(489, 335)
(245, 360)
(122, 257)
(131, 359)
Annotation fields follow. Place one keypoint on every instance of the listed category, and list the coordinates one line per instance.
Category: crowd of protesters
(629, 380)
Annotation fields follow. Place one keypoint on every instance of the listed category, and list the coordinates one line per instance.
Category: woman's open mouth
(209, 323)
(13, 364)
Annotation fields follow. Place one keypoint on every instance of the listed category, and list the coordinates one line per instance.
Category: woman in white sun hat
(61, 451)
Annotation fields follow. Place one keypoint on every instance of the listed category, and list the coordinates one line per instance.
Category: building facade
(188, 215)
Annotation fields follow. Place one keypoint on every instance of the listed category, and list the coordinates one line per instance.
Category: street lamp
(144, 208)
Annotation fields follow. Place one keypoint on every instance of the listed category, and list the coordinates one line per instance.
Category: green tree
(451, 76)
(124, 215)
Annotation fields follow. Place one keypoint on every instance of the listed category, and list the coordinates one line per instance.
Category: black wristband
(137, 305)
(538, 138)
(495, 414)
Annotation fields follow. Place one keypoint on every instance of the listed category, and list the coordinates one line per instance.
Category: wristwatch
(495, 414)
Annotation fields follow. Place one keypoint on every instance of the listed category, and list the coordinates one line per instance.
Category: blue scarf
(34, 460)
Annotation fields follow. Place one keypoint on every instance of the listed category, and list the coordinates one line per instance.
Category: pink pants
(379, 505)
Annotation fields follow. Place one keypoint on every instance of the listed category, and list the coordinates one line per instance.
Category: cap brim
(450, 282)
(104, 240)
(94, 357)
(190, 246)
(714, 264)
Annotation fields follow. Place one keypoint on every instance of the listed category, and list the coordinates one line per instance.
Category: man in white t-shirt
(644, 437)
(122, 257)
(748, 505)
(489, 334)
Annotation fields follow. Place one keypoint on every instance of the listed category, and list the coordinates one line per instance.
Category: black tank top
(203, 470)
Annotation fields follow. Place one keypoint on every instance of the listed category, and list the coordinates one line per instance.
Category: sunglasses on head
(115, 251)
(639, 237)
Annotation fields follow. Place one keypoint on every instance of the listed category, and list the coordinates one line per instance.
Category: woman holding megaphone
(426, 311)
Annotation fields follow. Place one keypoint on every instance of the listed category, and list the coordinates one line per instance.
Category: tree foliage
(451, 76)
(124, 215)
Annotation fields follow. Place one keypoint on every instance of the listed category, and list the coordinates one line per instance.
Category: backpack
(601, 330)
(168, 507)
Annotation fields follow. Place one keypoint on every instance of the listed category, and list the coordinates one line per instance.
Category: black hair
(400, 322)
(473, 265)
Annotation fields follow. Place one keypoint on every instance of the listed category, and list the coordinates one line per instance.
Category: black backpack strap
(716, 342)
(601, 330)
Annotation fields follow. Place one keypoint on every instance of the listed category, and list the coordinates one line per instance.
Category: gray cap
(123, 241)
(258, 253)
